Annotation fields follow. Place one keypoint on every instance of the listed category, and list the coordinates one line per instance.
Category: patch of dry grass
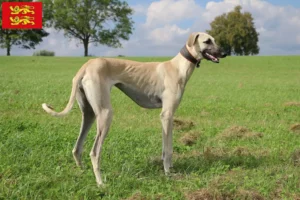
(189, 138)
(204, 113)
(295, 128)
(156, 160)
(239, 132)
(220, 187)
(189, 154)
(245, 151)
(241, 151)
(139, 196)
(297, 197)
(212, 153)
(296, 157)
(292, 103)
(279, 190)
(136, 196)
(215, 194)
(248, 194)
(181, 124)
(202, 194)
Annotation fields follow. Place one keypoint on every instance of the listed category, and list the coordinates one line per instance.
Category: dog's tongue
(214, 59)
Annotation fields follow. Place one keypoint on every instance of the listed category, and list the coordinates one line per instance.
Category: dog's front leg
(167, 124)
(166, 117)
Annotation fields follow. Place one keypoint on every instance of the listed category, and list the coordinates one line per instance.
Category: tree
(235, 32)
(91, 21)
(26, 39)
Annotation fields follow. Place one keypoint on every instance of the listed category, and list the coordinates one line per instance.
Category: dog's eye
(207, 41)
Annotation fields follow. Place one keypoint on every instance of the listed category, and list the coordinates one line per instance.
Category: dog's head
(204, 46)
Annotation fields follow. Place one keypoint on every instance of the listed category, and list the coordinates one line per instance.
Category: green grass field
(235, 136)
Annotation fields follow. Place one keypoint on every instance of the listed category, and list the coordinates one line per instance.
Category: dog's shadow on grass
(201, 163)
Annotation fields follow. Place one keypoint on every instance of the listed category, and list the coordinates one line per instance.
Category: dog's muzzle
(214, 57)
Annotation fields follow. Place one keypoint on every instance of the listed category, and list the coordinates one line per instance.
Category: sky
(161, 28)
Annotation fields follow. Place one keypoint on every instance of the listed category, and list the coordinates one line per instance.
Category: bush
(44, 53)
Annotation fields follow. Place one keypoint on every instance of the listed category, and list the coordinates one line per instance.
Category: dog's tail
(72, 98)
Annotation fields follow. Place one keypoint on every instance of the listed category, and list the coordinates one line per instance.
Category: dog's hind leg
(103, 119)
(88, 117)
(98, 94)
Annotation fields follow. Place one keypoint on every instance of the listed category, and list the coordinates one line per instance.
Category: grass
(241, 95)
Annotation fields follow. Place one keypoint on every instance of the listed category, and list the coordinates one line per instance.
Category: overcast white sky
(163, 26)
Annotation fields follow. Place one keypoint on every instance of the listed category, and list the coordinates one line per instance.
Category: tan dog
(149, 84)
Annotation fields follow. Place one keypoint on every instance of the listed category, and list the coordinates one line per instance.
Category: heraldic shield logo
(22, 15)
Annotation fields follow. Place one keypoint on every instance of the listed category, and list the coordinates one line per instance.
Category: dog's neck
(186, 53)
(184, 66)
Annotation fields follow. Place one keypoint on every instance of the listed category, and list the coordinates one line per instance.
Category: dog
(149, 84)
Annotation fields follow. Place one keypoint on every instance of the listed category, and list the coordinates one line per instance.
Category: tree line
(107, 22)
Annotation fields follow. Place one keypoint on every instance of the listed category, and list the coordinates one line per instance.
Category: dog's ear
(192, 39)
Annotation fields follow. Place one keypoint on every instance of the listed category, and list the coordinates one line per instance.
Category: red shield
(22, 15)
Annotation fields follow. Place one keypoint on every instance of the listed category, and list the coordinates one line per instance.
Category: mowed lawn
(236, 134)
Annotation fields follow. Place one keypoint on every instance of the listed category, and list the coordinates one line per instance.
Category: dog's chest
(139, 97)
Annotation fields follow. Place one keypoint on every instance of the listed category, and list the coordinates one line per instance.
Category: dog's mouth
(210, 57)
